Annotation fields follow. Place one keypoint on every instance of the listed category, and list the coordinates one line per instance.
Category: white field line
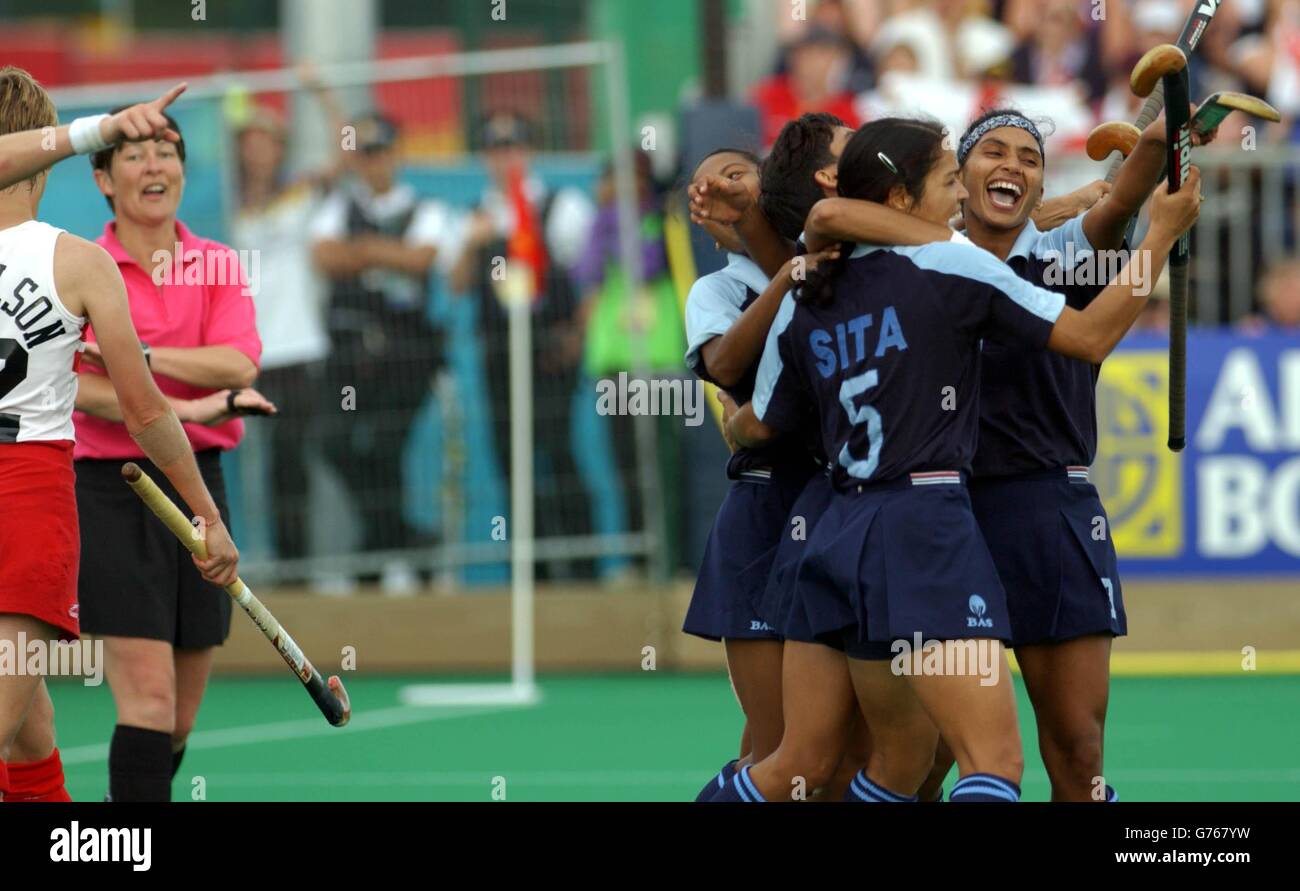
(285, 730)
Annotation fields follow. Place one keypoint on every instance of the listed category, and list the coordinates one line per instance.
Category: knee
(1074, 756)
(148, 702)
(816, 765)
(34, 742)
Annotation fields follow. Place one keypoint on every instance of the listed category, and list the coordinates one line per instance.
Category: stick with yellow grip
(329, 696)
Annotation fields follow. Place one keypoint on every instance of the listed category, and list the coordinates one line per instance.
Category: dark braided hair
(788, 190)
(883, 154)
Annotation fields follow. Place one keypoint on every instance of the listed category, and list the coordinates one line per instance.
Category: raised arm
(1092, 333)
(728, 356)
(1106, 223)
(26, 154)
(88, 279)
(729, 202)
(1054, 212)
(834, 220)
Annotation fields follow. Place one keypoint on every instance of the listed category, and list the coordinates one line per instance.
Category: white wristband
(85, 136)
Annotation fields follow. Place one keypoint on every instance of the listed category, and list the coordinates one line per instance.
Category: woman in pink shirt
(193, 312)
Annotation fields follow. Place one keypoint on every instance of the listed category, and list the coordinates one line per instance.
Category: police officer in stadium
(377, 243)
(564, 218)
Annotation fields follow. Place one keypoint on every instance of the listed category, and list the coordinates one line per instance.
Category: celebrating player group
(912, 416)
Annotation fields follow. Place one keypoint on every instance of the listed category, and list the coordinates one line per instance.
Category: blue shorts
(738, 556)
(799, 525)
(892, 560)
(1051, 541)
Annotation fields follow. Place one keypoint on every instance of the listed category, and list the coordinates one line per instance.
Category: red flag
(525, 246)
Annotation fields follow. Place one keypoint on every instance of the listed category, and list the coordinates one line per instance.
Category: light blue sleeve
(1066, 239)
(982, 268)
(712, 307)
(771, 366)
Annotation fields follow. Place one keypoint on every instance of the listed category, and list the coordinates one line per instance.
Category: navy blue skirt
(738, 556)
(1051, 541)
(808, 509)
(893, 560)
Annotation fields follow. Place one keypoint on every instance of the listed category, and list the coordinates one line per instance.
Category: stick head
(131, 472)
(1158, 61)
(1114, 136)
(336, 687)
(1251, 105)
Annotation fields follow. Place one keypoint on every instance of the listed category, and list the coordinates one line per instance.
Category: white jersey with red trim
(39, 339)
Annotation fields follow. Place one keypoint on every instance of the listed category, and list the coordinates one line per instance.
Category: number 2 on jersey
(861, 468)
(13, 365)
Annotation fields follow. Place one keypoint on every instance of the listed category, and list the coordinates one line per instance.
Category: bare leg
(192, 670)
(903, 736)
(755, 668)
(976, 718)
(1069, 685)
(818, 704)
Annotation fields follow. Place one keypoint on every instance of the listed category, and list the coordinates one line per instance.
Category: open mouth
(157, 190)
(1004, 194)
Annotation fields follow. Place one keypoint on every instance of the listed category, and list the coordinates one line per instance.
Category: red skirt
(40, 545)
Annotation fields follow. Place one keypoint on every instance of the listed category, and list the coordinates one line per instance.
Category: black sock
(176, 760)
(138, 762)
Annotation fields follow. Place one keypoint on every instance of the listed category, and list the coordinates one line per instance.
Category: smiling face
(739, 169)
(943, 192)
(145, 180)
(1004, 176)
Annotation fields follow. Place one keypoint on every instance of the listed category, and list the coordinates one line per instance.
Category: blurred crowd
(351, 254)
(1069, 59)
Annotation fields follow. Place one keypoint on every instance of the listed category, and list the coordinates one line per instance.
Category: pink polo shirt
(176, 314)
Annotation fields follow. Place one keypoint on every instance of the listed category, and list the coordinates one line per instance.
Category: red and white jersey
(39, 339)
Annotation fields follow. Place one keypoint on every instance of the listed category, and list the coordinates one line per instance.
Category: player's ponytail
(788, 189)
(881, 156)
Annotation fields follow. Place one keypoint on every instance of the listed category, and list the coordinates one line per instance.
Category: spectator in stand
(564, 218)
(1270, 63)
(1279, 300)
(274, 217)
(612, 319)
(939, 37)
(1062, 49)
(376, 242)
(854, 20)
(817, 79)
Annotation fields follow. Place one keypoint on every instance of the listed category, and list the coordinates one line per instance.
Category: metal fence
(391, 460)
(1249, 222)
(410, 481)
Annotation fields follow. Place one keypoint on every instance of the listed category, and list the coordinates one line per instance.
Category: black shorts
(136, 579)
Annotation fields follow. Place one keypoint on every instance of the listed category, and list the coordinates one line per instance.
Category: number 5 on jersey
(861, 468)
